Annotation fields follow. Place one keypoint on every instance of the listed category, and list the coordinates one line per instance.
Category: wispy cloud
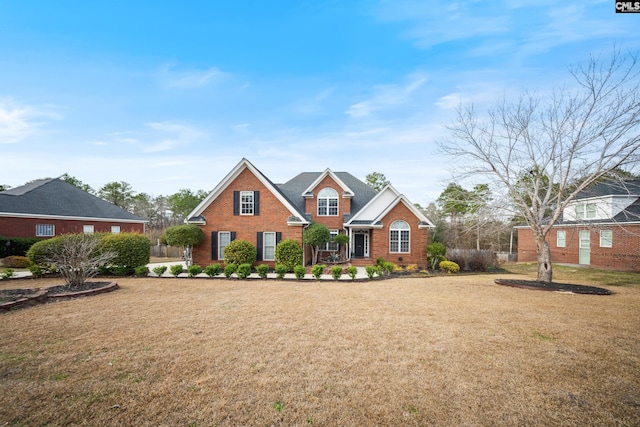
(18, 122)
(174, 135)
(386, 96)
(172, 77)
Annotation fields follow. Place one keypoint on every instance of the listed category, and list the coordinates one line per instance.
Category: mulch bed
(553, 286)
(11, 299)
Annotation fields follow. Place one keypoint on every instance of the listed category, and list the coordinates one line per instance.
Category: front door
(585, 247)
(358, 245)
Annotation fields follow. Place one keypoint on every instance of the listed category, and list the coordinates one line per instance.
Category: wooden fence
(165, 251)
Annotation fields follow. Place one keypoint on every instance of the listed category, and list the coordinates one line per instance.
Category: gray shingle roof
(58, 198)
(293, 189)
(607, 188)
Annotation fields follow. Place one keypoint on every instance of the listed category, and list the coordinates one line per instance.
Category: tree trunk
(545, 271)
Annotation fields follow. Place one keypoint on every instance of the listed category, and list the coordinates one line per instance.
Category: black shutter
(232, 236)
(256, 203)
(278, 237)
(214, 245)
(236, 203)
(259, 245)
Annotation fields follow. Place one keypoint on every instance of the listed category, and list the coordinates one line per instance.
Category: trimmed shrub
(194, 270)
(243, 271)
(17, 245)
(213, 270)
(449, 267)
(299, 271)
(336, 272)
(160, 270)
(317, 270)
(240, 252)
(472, 259)
(132, 250)
(39, 252)
(289, 253)
(7, 273)
(36, 271)
(388, 267)
(229, 269)
(16, 261)
(411, 268)
(262, 270)
(281, 270)
(142, 271)
(352, 271)
(371, 270)
(176, 270)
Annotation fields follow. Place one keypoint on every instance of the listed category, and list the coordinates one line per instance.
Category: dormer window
(585, 211)
(328, 202)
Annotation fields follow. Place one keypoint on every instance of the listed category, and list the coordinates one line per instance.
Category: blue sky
(167, 95)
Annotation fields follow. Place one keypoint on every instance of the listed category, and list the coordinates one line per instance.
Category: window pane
(269, 246)
(591, 210)
(606, 238)
(224, 238)
(561, 239)
(45, 230)
(87, 229)
(246, 202)
(115, 229)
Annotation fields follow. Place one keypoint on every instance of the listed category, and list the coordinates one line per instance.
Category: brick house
(50, 207)
(601, 228)
(247, 205)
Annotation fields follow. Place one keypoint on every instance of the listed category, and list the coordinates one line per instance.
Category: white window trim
(330, 246)
(40, 230)
(115, 229)
(609, 239)
(327, 200)
(247, 204)
(220, 247)
(264, 245)
(564, 239)
(88, 229)
(399, 231)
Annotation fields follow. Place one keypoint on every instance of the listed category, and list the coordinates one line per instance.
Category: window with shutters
(224, 238)
(269, 246)
(246, 203)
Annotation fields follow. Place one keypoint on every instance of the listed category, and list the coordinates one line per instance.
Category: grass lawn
(447, 350)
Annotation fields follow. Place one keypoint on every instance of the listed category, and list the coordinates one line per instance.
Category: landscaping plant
(336, 272)
(176, 270)
(262, 270)
(449, 267)
(240, 252)
(299, 271)
(142, 271)
(352, 272)
(194, 270)
(229, 269)
(289, 253)
(281, 270)
(317, 270)
(160, 270)
(212, 270)
(243, 271)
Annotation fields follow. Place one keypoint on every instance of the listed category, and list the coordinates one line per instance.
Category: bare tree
(545, 150)
(78, 257)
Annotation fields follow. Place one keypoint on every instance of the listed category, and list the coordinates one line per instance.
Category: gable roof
(296, 187)
(297, 216)
(380, 205)
(55, 198)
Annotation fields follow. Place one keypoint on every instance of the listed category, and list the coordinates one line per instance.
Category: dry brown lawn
(424, 351)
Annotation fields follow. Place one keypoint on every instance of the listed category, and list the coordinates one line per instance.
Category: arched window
(399, 237)
(328, 202)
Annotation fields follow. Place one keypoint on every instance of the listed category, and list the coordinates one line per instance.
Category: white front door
(585, 247)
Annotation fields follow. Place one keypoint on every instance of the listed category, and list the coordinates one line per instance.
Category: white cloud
(450, 101)
(173, 78)
(386, 96)
(18, 122)
(180, 135)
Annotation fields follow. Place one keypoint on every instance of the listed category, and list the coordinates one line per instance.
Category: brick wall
(623, 255)
(219, 215)
(379, 244)
(26, 227)
(344, 205)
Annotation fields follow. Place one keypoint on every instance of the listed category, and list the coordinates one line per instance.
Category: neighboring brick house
(247, 205)
(601, 228)
(50, 207)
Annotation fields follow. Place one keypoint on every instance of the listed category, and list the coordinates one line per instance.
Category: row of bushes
(454, 260)
(243, 271)
(16, 246)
